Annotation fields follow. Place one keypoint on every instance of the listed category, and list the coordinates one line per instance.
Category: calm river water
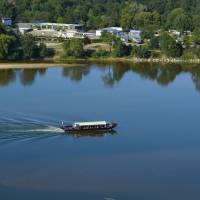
(154, 154)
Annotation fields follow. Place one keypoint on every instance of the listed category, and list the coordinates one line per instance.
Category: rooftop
(90, 123)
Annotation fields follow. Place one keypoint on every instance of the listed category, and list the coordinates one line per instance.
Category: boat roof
(90, 123)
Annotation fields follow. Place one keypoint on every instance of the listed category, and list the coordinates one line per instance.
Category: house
(58, 27)
(113, 30)
(135, 35)
(6, 21)
(123, 36)
(24, 27)
(50, 26)
(69, 34)
(90, 34)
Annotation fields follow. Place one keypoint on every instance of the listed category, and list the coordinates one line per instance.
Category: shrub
(154, 43)
(100, 53)
(74, 48)
(86, 40)
(141, 52)
(121, 49)
(169, 46)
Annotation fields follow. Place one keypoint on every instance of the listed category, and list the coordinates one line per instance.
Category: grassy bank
(131, 60)
(72, 62)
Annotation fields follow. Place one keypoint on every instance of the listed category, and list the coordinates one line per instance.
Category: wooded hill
(180, 14)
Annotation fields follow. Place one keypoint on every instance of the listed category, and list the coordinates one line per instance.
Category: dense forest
(100, 13)
(146, 15)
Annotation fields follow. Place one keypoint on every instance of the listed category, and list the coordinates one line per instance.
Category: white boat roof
(90, 123)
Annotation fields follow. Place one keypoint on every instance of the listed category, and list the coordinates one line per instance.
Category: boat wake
(12, 129)
(48, 129)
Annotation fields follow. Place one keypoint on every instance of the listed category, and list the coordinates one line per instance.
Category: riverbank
(36, 65)
(71, 62)
(133, 60)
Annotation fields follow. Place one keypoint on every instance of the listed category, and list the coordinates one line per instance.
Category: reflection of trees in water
(114, 74)
(163, 75)
(7, 76)
(76, 73)
(42, 71)
(196, 78)
(168, 75)
(27, 76)
(108, 78)
(119, 70)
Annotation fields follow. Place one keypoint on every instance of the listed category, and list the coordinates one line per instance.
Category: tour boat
(89, 126)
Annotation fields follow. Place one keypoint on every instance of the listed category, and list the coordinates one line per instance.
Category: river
(154, 153)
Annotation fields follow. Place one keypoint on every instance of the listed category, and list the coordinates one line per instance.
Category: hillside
(100, 13)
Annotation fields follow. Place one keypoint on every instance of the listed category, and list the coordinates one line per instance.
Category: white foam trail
(48, 129)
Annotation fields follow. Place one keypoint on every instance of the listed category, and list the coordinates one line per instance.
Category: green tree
(196, 37)
(147, 19)
(6, 42)
(128, 13)
(196, 21)
(44, 51)
(173, 15)
(169, 46)
(74, 48)
(154, 42)
(29, 47)
(109, 38)
(147, 34)
(183, 23)
(121, 49)
(178, 19)
(141, 52)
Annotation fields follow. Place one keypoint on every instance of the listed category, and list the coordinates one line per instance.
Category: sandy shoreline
(35, 65)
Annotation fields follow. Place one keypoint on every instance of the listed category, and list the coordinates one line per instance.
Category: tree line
(93, 14)
(146, 15)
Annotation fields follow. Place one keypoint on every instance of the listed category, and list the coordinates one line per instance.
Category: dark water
(154, 154)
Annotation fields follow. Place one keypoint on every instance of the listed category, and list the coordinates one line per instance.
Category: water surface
(154, 154)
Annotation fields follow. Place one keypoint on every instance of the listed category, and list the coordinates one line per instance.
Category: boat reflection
(78, 134)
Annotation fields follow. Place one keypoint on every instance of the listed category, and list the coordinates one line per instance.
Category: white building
(49, 26)
(135, 35)
(114, 30)
(24, 27)
(52, 30)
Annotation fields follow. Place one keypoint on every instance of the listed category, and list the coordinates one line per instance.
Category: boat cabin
(90, 125)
